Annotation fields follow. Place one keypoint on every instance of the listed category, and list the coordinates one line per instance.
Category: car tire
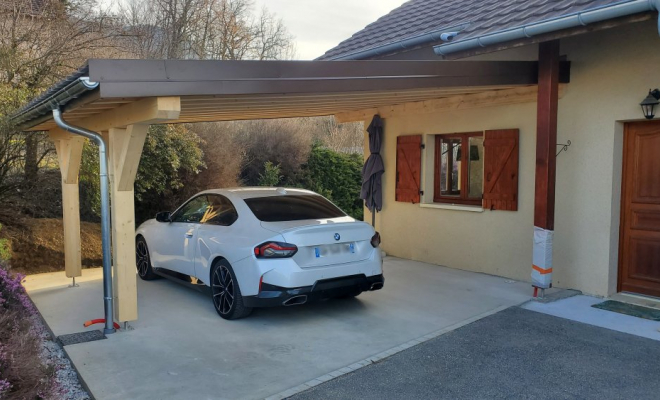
(143, 260)
(226, 293)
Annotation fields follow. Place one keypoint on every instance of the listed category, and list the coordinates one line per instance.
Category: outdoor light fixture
(649, 103)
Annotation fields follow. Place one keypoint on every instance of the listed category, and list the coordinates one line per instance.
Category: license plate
(334, 249)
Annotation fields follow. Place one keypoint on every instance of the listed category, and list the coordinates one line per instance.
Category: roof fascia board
(109, 71)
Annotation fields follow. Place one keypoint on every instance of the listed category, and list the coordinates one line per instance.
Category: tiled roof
(417, 17)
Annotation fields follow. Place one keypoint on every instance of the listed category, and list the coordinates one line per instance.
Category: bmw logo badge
(337, 237)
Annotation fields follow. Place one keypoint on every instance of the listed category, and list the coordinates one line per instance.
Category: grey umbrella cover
(373, 169)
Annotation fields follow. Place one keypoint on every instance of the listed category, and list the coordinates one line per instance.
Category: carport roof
(234, 90)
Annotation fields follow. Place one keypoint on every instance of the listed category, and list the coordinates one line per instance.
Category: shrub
(271, 176)
(5, 249)
(23, 375)
(171, 153)
(337, 176)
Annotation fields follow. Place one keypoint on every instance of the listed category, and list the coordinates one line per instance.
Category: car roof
(261, 191)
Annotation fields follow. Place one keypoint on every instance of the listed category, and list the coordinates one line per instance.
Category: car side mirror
(163, 216)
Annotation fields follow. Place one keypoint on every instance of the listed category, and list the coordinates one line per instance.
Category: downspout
(105, 213)
(616, 10)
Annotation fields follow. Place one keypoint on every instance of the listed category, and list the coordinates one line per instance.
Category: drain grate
(80, 337)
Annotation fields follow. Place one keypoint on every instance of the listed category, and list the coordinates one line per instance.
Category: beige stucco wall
(611, 73)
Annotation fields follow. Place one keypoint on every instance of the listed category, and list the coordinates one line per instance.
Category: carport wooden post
(124, 151)
(546, 144)
(125, 136)
(69, 153)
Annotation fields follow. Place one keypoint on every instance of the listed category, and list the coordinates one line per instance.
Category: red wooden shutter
(408, 168)
(501, 170)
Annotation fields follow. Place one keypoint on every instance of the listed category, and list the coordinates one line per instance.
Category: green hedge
(337, 176)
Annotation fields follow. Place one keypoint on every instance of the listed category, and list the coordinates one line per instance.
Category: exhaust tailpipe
(295, 300)
(376, 286)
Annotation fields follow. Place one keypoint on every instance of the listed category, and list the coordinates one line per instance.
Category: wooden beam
(124, 151)
(127, 147)
(546, 135)
(153, 110)
(71, 223)
(69, 153)
(476, 100)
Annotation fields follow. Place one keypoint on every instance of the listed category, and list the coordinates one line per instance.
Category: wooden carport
(121, 98)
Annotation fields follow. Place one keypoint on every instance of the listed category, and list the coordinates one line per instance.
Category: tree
(41, 42)
(204, 29)
(171, 154)
(340, 138)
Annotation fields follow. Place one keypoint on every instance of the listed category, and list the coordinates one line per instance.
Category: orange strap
(542, 271)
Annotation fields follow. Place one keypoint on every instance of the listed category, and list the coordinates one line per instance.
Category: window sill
(455, 207)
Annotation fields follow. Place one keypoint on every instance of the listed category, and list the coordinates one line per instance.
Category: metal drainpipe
(105, 214)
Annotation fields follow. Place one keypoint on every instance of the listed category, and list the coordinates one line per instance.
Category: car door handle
(189, 234)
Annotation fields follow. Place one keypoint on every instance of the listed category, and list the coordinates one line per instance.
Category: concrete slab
(181, 349)
(579, 308)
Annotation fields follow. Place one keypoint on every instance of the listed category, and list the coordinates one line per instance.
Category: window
(459, 173)
(193, 211)
(220, 212)
(292, 208)
(476, 168)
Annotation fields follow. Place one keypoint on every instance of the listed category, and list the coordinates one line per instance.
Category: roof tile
(421, 16)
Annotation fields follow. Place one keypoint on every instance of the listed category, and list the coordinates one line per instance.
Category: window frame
(465, 144)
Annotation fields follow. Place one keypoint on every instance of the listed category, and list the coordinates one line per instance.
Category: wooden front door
(639, 247)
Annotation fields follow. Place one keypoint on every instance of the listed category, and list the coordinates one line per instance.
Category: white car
(261, 247)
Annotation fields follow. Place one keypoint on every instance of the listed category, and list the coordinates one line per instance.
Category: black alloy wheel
(143, 261)
(226, 293)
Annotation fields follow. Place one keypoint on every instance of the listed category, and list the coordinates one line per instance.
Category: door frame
(622, 201)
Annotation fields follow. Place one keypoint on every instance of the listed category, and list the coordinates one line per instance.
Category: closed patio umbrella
(373, 169)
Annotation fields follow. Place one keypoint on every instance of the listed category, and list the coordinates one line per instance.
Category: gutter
(445, 34)
(105, 210)
(41, 107)
(620, 9)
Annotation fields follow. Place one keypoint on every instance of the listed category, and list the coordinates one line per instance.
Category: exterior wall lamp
(649, 103)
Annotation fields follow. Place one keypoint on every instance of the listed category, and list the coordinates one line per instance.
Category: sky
(319, 25)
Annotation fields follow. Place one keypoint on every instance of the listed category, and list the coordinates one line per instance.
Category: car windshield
(292, 208)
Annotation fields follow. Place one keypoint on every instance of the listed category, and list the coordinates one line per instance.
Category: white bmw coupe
(261, 247)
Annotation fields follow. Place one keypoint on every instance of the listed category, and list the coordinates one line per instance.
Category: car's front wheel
(143, 261)
(227, 297)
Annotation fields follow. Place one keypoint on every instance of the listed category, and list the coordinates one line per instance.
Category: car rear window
(292, 208)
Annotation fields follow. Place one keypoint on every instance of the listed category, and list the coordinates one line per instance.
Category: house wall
(611, 73)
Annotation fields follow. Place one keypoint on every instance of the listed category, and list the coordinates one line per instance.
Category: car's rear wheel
(227, 297)
(143, 261)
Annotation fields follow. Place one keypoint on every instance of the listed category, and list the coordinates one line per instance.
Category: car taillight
(275, 250)
(375, 240)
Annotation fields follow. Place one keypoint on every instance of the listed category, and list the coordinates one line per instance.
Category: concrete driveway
(181, 349)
